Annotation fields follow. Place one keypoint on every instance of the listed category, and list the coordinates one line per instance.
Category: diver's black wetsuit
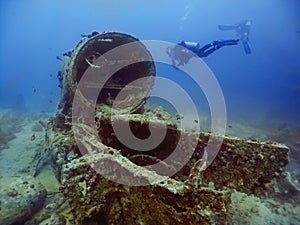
(178, 54)
(207, 49)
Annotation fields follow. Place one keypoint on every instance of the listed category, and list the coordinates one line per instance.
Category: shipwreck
(88, 157)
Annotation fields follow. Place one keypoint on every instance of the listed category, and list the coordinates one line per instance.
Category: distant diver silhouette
(242, 30)
(184, 51)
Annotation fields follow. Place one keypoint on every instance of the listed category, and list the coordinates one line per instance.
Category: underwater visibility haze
(252, 48)
(264, 83)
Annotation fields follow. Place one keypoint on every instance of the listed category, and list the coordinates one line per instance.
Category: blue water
(261, 89)
(264, 84)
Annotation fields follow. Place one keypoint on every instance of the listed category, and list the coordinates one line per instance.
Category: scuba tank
(190, 45)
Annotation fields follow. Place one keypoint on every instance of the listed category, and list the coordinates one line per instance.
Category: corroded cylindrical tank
(86, 53)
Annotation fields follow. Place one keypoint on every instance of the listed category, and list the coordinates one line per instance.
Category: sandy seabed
(18, 158)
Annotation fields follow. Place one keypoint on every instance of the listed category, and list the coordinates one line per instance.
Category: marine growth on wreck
(192, 195)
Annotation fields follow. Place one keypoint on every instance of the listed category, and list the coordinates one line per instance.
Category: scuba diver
(181, 54)
(242, 31)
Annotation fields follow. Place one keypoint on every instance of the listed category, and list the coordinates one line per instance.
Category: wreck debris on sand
(190, 196)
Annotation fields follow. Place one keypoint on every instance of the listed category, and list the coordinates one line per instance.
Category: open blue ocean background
(40, 153)
(263, 86)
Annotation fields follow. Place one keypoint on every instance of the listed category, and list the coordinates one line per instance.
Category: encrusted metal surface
(191, 196)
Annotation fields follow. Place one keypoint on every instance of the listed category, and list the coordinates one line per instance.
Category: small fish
(196, 121)
(179, 116)
(68, 54)
(230, 126)
(58, 58)
(32, 137)
(59, 76)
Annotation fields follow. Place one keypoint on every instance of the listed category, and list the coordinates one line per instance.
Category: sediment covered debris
(25, 196)
(190, 196)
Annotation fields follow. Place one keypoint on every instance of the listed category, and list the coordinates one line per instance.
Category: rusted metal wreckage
(190, 196)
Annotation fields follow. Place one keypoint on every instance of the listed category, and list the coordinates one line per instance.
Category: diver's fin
(246, 45)
(227, 27)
